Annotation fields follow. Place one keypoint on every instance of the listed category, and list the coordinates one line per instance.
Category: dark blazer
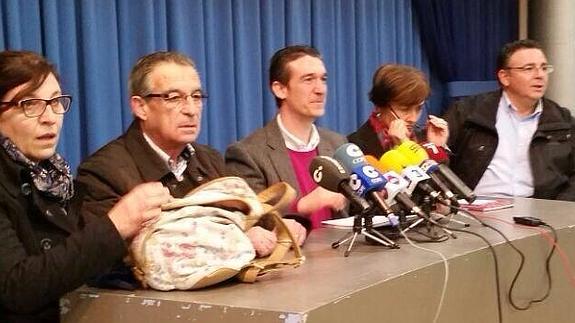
(262, 157)
(119, 166)
(473, 140)
(366, 139)
(42, 253)
(112, 171)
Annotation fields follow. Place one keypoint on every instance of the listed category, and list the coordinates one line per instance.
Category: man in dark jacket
(166, 99)
(515, 142)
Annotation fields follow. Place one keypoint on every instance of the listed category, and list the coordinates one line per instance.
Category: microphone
(454, 181)
(368, 183)
(440, 156)
(349, 155)
(436, 153)
(395, 189)
(411, 148)
(417, 177)
(396, 185)
(329, 174)
(365, 180)
(417, 156)
(393, 160)
(373, 162)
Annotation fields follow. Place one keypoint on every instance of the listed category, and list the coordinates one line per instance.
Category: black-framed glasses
(35, 107)
(532, 68)
(178, 100)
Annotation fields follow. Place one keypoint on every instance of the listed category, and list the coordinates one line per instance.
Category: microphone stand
(454, 209)
(426, 207)
(363, 224)
(449, 216)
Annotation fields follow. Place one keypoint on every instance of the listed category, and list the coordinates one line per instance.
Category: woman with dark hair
(398, 94)
(44, 253)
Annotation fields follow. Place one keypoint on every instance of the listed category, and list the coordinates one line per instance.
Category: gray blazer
(262, 157)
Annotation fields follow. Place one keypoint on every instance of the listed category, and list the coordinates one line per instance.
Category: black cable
(548, 274)
(522, 256)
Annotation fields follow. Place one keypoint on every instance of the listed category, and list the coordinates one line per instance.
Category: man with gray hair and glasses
(166, 99)
(514, 141)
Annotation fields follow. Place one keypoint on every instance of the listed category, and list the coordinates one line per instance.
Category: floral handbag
(199, 240)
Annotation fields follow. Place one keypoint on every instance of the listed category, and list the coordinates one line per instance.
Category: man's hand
(319, 198)
(141, 206)
(297, 230)
(264, 241)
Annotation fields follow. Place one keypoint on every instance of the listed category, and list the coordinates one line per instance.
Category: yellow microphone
(393, 160)
(413, 152)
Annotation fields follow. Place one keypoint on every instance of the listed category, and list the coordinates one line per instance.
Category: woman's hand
(138, 208)
(437, 131)
(398, 131)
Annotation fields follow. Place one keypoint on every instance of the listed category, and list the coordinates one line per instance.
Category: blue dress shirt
(509, 173)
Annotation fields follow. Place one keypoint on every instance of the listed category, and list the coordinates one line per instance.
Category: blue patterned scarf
(52, 176)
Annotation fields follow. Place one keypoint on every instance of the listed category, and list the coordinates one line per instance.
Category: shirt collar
(296, 144)
(175, 166)
(536, 112)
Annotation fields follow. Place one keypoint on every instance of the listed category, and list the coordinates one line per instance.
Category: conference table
(375, 283)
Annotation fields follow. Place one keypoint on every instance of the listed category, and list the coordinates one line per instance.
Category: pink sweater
(300, 162)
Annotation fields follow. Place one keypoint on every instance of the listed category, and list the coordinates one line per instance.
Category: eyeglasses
(36, 107)
(532, 69)
(406, 109)
(416, 108)
(178, 100)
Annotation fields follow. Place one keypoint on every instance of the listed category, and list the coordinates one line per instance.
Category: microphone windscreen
(369, 179)
(412, 151)
(349, 156)
(373, 162)
(393, 160)
(327, 173)
(436, 153)
(394, 184)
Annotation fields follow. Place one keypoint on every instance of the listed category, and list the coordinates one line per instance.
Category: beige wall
(552, 22)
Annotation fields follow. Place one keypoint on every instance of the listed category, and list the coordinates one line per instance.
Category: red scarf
(385, 139)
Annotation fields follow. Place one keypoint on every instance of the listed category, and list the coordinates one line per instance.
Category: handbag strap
(275, 198)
